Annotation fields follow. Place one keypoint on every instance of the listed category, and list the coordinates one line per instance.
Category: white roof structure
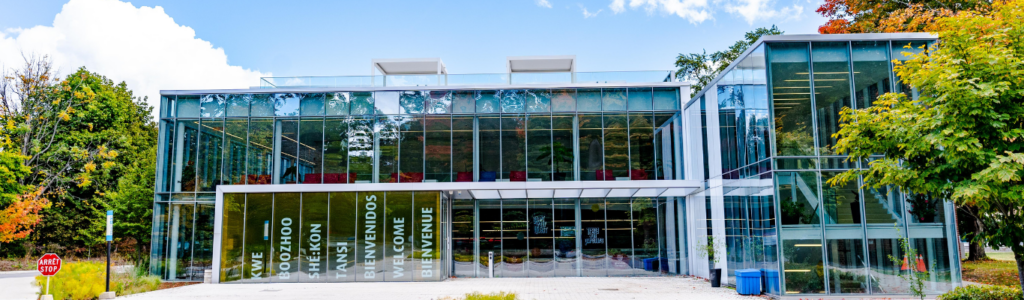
(409, 66)
(538, 64)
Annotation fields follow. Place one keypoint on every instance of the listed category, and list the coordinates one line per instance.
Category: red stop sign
(49, 264)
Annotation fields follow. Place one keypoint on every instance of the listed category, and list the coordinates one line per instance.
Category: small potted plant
(708, 250)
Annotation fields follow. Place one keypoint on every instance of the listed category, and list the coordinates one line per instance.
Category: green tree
(703, 67)
(962, 139)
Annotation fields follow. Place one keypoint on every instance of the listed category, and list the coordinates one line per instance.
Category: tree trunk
(977, 251)
(972, 230)
(1018, 254)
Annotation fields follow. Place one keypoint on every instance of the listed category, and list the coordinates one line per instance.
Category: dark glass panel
(616, 147)
(883, 206)
(514, 236)
(884, 273)
(343, 239)
(211, 143)
(490, 147)
(440, 102)
(180, 246)
(641, 146)
(846, 266)
(870, 71)
(286, 235)
(387, 131)
(360, 150)
(562, 146)
(212, 106)
(640, 99)
(791, 98)
(234, 150)
(537, 100)
(613, 99)
(490, 236)
(798, 197)
(361, 103)
(563, 226)
(232, 229)
(289, 151)
(540, 154)
(563, 100)
(311, 104)
(202, 256)
(338, 103)
(427, 233)
(513, 147)
(842, 202)
(591, 143)
(463, 240)
(261, 155)
(541, 242)
(796, 163)
(259, 210)
(315, 250)
(410, 161)
(438, 152)
(186, 155)
(412, 102)
(647, 241)
(592, 222)
(462, 148)
(512, 101)
(901, 51)
(398, 246)
(666, 98)
(238, 105)
(261, 105)
(621, 255)
(187, 106)
(336, 151)
(311, 146)
(588, 100)
(487, 101)
(831, 66)
(802, 260)
(370, 260)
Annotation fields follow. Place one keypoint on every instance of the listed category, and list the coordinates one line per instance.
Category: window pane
(412, 101)
(883, 206)
(410, 162)
(541, 240)
(791, 98)
(399, 239)
(211, 141)
(387, 103)
(212, 106)
(514, 237)
(616, 147)
(870, 71)
(798, 197)
(641, 146)
(232, 223)
(427, 221)
(490, 235)
(621, 255)
(562, 146)
(537, 100)
(842, 203)
(261, 105)
(261, 155)
(666, 98)
(540, 154)
(315, 251)
(167, 106)
(665, 146)
(438, 155)
(179, 260)
(486, 101)
(289, 147)
(440, 102)
(370, 259)
(846, 266)
(462, 148)
(387, 133)
(464, 259)
(831, 63)
(640, 99)
(186, 153)
(286, 105)
(188, 106)
(259, 210)
(490, 147)
(361, 103)
(591, 145)
(286, 232)
(343, 240)
(234, 150)
(613, 99)
(563, 100)
(512, 101)
(238, 105)
(311, 141)
(592, 220)
(903, 51)
(336, 151)
(464, 102)
(588, 100)
(311, 105)
(802, 258)
(564, 228)
(338, 103)
(513, 147)
(360, 150)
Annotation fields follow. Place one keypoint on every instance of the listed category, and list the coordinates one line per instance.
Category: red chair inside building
(339, 177)
(638, 175)
(517, 176)
(411, 177)
(604, 175)
(464, 177)
(312, 178)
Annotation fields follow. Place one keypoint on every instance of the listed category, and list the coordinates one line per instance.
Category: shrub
(87, 280)
(482, 296)
(987, 292)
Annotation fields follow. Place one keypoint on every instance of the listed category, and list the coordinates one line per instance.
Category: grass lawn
(996, 272)
(1007, 256)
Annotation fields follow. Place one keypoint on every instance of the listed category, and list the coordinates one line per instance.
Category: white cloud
(696, 11)
(587, 14)
(141, 46)
(754, 10)
(544, 3)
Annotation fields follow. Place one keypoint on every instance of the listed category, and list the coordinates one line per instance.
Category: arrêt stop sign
(49, 264)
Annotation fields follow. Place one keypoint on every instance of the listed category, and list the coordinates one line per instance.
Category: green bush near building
(980, 292)
(490, 296)
(87, 280)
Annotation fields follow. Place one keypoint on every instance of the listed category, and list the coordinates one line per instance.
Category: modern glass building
(415, 174)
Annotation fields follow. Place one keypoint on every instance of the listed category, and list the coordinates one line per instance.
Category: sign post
(110, 237)
(48, 265)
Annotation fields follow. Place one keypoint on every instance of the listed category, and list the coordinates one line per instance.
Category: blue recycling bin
(748, 281)
(649, 264)
(771, 281)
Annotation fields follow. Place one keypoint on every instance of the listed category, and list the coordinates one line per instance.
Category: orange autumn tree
(868, 16)
(19, 204)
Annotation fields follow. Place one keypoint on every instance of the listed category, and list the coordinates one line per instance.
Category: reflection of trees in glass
(555, 154)
(796, 142)
(923, 207)
(646, 223)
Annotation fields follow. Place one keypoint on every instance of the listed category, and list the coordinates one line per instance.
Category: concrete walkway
(17, 285)
(646, 288)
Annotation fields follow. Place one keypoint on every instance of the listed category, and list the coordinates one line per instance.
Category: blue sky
(158, 45)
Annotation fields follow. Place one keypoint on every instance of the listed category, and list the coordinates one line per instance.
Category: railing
(468, 79)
